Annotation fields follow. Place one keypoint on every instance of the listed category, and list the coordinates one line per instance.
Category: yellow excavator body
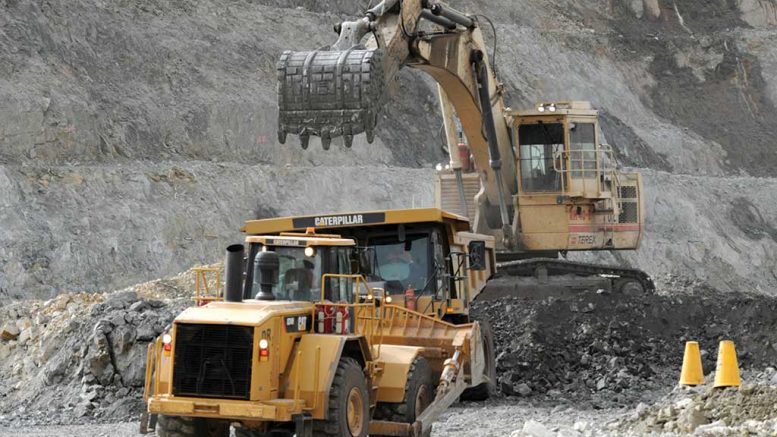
(571, 195)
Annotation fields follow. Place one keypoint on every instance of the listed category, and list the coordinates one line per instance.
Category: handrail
(150, 367)
(599, 157)
(202, 297)
(375, 315)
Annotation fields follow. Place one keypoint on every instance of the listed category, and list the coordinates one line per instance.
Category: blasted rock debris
(706, 411)
(611, 348)
(80, 357)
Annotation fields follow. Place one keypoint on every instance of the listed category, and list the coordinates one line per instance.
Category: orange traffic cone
(727, 372)
(692, 372)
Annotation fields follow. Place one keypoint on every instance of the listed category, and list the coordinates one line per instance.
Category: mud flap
(147, 423)
(329, 94)
(303, 425)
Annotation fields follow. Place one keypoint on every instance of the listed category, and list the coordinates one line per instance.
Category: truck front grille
(213, 361)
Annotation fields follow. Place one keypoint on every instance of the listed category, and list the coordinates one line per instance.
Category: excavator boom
(340, 91)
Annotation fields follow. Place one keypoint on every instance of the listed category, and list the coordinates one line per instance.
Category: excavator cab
(571, 194)
(559, 151)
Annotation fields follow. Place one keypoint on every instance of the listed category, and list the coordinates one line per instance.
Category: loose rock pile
(613, 348)
(706, 411)
(82, 356)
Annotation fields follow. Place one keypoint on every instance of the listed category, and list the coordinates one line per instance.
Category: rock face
(9, 331)
(137, 137)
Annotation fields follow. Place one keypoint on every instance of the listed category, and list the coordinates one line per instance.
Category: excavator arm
(340, 90)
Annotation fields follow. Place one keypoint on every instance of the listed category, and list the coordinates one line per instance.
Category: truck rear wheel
(179, 426)
(349, 402)
(483, 391)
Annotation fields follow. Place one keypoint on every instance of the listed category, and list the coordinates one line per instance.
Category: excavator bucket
(329, 94)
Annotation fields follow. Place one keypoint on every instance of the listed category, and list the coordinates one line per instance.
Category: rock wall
(135, 137)
(97, 227)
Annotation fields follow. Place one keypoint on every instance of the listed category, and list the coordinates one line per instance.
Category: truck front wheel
(349, 402)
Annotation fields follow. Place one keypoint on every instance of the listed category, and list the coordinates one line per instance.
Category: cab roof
(355, 219)
(300, 240)
(579, 108)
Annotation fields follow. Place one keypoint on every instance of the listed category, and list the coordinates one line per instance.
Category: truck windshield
(299, 275)
(402, 264)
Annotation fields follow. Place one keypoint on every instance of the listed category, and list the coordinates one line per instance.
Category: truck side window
(439, 262)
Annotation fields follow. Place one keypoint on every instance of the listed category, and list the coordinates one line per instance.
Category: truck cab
(304, 260)
(425, 259)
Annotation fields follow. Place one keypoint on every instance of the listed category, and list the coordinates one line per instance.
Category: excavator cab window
(582, 150)
(541, 152)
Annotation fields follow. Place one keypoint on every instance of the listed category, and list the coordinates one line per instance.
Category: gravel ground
(502, 418)
(466, 420)
(123, 429)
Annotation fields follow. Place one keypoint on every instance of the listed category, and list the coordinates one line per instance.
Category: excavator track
(619, 277)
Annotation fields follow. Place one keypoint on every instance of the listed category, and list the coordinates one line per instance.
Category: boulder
(690, 419)
(523, 389)
(9, 331)
(535, 429)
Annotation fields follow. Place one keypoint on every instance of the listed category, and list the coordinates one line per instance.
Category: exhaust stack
(233, 273)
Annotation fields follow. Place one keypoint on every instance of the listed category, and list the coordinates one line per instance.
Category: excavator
(540, 181)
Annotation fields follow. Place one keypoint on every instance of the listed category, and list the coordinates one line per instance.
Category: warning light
(167, 341)
(264, 349)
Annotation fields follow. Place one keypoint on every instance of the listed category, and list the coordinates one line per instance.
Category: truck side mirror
(477, 255)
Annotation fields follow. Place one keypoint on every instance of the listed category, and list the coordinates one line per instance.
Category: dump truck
(541, 181)
(337, 324)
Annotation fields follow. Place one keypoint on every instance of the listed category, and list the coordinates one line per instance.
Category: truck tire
(349, 402)
(483, 391)
(179, 426)
(419, 393)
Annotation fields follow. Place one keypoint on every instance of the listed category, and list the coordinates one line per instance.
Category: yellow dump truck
(327, 334)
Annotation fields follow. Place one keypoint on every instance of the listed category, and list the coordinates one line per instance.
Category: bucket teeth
(326, 142)
(330, 93)
(282, 136)
(370, 136)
